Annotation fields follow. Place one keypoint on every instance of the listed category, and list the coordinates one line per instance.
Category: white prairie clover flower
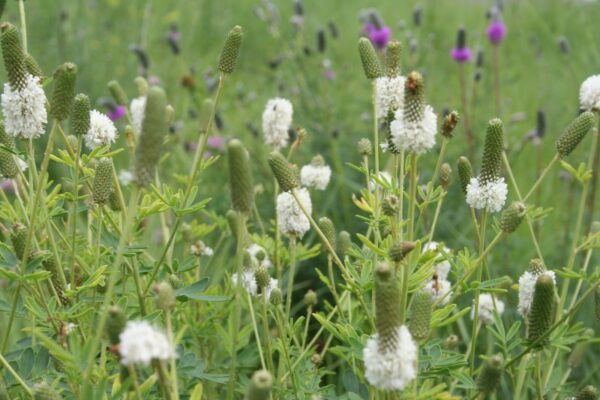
(140, 343)
(25, 109)
(259, 256)
(414, 136)
(589, 93)
(137, 109)
(102, 131)
(391, 370)
(290, 218)
(125, 177)
(441, 266)
(200, 249)
(249, 283)
(316, 174)
(490, 195)
(486, 308)
(389, 95)
(527, 287)
(440, 289)
(276, 121)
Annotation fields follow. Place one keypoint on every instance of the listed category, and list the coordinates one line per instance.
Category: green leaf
(195, 290)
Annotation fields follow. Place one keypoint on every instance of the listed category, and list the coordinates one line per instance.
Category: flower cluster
(140, 343)
(439, 287)
(486, 307)
(137, 109)
(389, 95)
(490, 195)
(276, 121)
(290, 218)
(24, 109)
(414, 136)
(102, 131)
(527, 287)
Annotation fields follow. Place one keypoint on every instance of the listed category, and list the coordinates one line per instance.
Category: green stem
(291, 273)
(14, 373)
(75, 206)
(173, 365)
(471, 353)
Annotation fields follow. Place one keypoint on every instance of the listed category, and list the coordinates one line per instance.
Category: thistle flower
(276, 122)
(64, 91)
(486, 308)
(589, 93)
(103, 181)
(389, 95)
(496, 31)
(140, 343)
(527, 287)
(240, 177)
(489, 378)
(154, 129)
(137, 109)
(102, 131)
(461, 53)
(369, 59)
(260, 386)
(415, 125)
(316, 174)
(116, 112)
(574, 133)
(24, 109)
(290, 218)
(231, 50)
(542, 307)
(379, 36)
(80, 119)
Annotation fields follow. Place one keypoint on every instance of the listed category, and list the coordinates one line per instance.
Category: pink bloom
(496, 32)
(461, 55)
(379, 36)
(116, 113)
(216, 142)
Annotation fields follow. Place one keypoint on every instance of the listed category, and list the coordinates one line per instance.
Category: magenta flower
(461, 53)
(496, 32)
(378, 36)
(116, 112)
(216, 142)
(7, 186)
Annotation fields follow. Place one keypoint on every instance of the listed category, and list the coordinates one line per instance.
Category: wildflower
(216, 142)
(24, 109)
(81, 114)
(574, 133)
(140, 343)
(249, 282)
(490, 196)
(442, 266)
(286, 174)
(260, 386)
(542, 308)
(440, 290)
(258, 256)
(102, 131)
(369, 59)
(231, 50)
(489, 378)
(290, 218)
(116, 112)
(496, 31)
(125, 177)
(487, 304)
(415, 125)
(589, 93)
(316, 174)
(461, 53)
(200, 249)
(421, 309)
(389, 95)
(240, 177)
(527, 287)
(137, 109)
(276, 122)
(379, 36)
(103, 181)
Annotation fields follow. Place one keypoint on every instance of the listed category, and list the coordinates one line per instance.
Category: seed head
(421, 310)
(80, 120)
(393, 59)
(445, 175)
(542, 308)
(231, 50)
(574, 133)
(492, 151)
(387, 312)
(369, 59)
(283, 171)
(465, 173)
(13, 55)
(103, 181)
(240, 177)
(328, 230)
(512, 216)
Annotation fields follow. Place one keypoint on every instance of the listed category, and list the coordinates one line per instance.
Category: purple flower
(116, 112)
(461, 55)
(378, 36)
(216, 142)
(7, 186)
(496, 32)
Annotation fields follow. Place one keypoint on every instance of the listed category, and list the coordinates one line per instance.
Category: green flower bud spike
(113, 202)
(574, 133)
(43, 391)
(284, 173)
(465, 173)
(240, 177)
(115, 324)
(449, 124)
(32, 66)
(18, 237)
(310, 298)
(536, 266)
(103, 181)
(13, 55)
(328, 230)
(542, 308)
(154, 129)
(414, 97)
(445, 176)
(80, 119)
(421, 310)
(492, 151)
(393, 58)
(387, 312)
(8, 164)
(51, 266)
(164, 298)
(390, 205)
(587, 393)
(64, 91)
(260, 386)
(365, 148)
(369, 59)
(512, 216)
(399, 251)
(276, 297)
(262, 279)
(344, 242)
(231, 50)
(489, 378)
(117, 92)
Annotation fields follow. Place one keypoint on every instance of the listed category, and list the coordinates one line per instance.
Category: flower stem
(471, 353)
(14, 373)
(291, 273)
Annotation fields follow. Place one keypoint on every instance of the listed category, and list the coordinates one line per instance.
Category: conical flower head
(421, 310)
(260, 386)
(574, 133)
(587, 393)
(231, 50)
(492, 151)
(43, 391)
(164, 297)
(369, 59)
(113, 202)
(103, 181)
(64, 91)
(465, 173)
(284, 173)
(240, 177)
(393, 58)
(276, 296)
(512, 216)
(328, 230)
(344, 242)
(32, 66)
(414, 97)
(536, 266)
(154, 129)
(51, 266)
(398, 251)
(262, 279)
(8, 165)
(488, 379)
(118, 93)
(233, 221)
(13, 55)
(445, 175)
(542, 308)
(18, 236)
(80, 119)
(387, 310)
(115, 324)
